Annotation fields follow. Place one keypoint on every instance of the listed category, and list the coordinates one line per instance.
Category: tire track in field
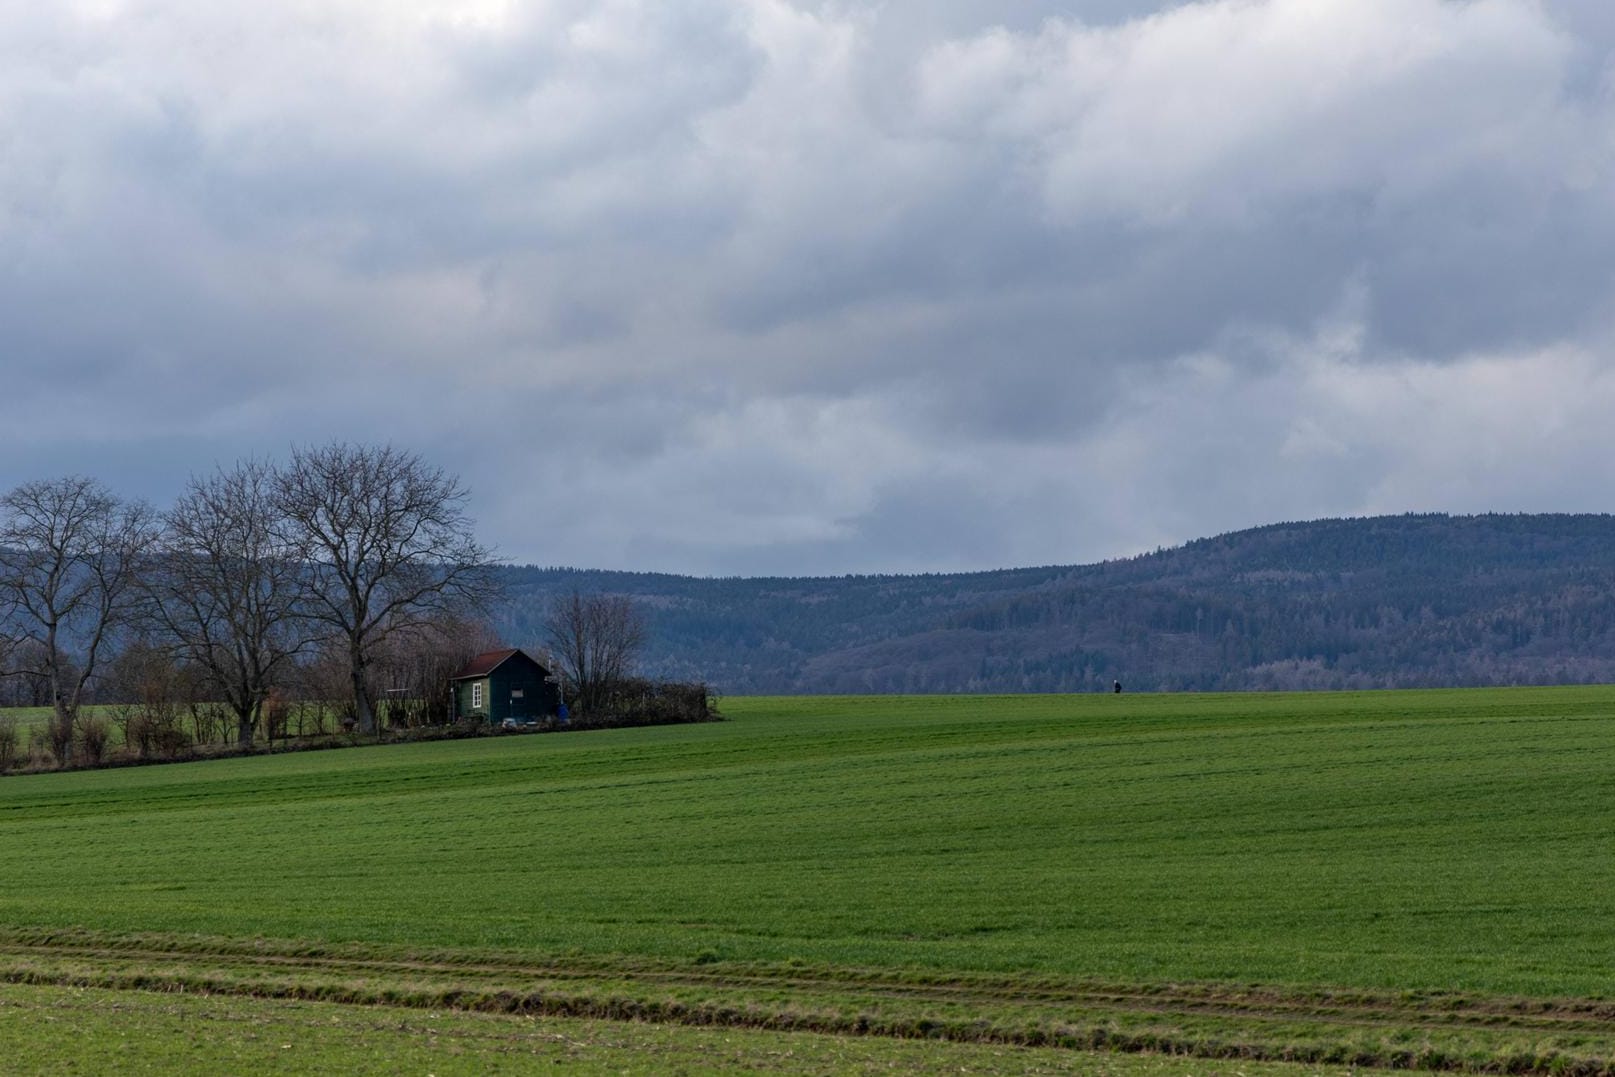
(1355, 1007)
(1215, 1020)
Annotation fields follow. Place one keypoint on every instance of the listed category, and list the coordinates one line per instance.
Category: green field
(142, 1032)
(1414, 878)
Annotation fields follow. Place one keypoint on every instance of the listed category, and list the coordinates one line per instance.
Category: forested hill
(1383, 602)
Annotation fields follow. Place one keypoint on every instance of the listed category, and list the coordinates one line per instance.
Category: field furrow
(1205, 1020)
(1402, 879)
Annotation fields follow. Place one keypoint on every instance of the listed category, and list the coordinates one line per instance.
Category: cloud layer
(758, 286)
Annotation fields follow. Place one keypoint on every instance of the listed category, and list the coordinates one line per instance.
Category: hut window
(476, 696)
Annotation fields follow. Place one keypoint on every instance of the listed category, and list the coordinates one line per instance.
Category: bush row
(160, 735)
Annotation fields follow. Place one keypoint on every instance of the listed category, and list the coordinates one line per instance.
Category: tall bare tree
(387, 543)
(228, 589)
(415, 666)
(596, 639)
(69, 553)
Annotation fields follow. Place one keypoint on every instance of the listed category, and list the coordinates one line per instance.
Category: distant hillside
(1365, 603)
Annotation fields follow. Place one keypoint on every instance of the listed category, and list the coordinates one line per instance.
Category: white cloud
(1219, 108)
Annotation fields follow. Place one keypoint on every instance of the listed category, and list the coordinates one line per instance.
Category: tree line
(1401, 601)
(342, 572)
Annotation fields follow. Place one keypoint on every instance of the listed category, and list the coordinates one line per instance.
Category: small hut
(505, 686)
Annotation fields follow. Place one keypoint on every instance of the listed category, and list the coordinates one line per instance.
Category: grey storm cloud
(759, 286)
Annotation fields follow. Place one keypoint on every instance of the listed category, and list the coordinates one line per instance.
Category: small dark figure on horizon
(1116, 686)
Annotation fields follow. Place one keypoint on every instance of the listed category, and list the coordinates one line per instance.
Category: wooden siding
(517, 688)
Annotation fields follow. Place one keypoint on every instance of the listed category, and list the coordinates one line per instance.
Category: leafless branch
(228, 590)
(387, 544)
(595, 638)
(69, 553)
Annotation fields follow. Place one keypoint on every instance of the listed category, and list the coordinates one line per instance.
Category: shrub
(59, 738)
(39, 748)
(161, 735)
(309, 717)
(633, 701)
(94, 735)
(211, 721)
(140, 732)
(8, 741)
(152, 729)
(277, 713)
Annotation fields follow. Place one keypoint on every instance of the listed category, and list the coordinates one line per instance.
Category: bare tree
(414, 667)
(595, 638)
(228, 588)
(387, 544)
(68, 558)
(151, 691)
(20, 685)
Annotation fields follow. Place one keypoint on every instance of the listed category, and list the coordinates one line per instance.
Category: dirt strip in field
(1433, 1031)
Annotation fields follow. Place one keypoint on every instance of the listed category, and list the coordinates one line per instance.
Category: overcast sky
(758, 286)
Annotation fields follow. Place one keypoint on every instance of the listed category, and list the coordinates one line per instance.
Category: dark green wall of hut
(462, 698)
(519, 692)
(515, 689)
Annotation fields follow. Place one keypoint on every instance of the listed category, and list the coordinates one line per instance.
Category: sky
(784, 287)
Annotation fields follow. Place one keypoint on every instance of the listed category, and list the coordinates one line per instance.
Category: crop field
(1407, 879)
(144, 1032)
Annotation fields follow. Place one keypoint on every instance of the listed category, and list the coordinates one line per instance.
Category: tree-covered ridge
(1377, 602)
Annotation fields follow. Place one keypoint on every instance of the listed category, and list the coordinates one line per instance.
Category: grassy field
(141, 1032)
(1418, 878)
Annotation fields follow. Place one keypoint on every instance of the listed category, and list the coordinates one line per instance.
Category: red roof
(484, 664)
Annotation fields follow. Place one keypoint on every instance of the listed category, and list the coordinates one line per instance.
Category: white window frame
(476, 695)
